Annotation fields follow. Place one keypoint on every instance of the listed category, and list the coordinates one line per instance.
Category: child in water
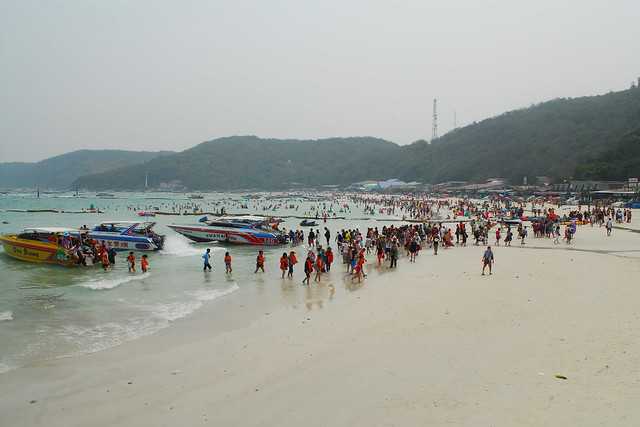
(144, 263)
(227, 263)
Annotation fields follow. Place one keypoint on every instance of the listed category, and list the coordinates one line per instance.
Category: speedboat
(248, 230)
(308, 223)
(48, 245)
(146, 213)
(127, 235)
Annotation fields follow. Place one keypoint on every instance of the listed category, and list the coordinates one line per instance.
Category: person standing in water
(329, 260)
(260, 262)
(609, 227)
(308, 269)
(293, 260)
(487, 260)
(206, 257)
(144, 263)
(227, 263)
(131, 259)
(284, 263)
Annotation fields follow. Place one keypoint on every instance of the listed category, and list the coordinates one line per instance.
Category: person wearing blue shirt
(206, 256)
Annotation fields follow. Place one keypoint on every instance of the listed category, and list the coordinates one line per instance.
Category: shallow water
(48, 312)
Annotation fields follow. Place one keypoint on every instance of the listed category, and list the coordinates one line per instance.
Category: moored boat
(248, 230)
(49, 245)
(127, 235)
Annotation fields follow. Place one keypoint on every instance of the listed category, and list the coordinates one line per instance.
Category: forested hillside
(61, 171)
(550, 139)
(619, 162)
(562, 138)
(250, 162)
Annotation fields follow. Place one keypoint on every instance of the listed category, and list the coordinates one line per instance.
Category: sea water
(48, 312)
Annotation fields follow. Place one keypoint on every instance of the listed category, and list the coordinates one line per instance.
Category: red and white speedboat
(248, 230)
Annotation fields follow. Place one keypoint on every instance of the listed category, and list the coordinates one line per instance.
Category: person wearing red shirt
(284, 263)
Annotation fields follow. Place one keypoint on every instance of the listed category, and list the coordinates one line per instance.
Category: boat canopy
(50, 230)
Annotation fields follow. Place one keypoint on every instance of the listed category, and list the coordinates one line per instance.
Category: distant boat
(105, 195)
(146, 213)
(196, 196)
(308, 223)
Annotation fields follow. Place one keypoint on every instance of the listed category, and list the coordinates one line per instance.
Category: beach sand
(433, 343)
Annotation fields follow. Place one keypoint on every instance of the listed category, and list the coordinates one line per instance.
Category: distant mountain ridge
(558, 138)
(61, 171)
(241, 162)
(580, 137)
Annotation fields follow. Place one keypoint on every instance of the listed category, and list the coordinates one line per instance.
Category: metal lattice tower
(434, 131)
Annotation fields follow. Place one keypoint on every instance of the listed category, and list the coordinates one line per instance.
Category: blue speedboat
(127, 235)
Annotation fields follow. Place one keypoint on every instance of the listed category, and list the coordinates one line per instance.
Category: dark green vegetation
(61, 171)
(250, 162)
(588, 137)
(619, 162)
(552, 139)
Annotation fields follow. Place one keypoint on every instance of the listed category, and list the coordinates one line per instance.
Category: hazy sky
(169, 74)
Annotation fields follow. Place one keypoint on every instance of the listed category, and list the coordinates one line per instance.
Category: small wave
(5, 316)
(211, 294)
(5, 368)
(99, 285)
(178, 310)
(179, 246)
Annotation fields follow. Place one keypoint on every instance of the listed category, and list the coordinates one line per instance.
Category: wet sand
(433, 343)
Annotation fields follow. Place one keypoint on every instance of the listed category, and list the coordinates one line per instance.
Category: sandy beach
(433, 343)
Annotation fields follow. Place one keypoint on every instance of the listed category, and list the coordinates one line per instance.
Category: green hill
(550, 139)
(61, 171)
(559, 138)
(250, 162)
(619, 162)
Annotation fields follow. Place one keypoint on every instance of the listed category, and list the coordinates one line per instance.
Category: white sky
(159, 75)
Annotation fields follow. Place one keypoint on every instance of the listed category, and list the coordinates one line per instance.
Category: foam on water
(5, 368)
(211, 294)
(104, 284)
(6, 316)
(154, 318)
(177, 310)
(176, 245)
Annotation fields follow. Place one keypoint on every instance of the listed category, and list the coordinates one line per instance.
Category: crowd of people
(436, 225)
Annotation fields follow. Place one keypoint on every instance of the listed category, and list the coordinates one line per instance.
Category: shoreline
(433, 342)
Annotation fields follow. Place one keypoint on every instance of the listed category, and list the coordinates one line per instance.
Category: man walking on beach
(206, 257)
(487, 260)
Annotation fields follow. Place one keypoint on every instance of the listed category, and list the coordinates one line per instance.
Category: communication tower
(434, 131)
